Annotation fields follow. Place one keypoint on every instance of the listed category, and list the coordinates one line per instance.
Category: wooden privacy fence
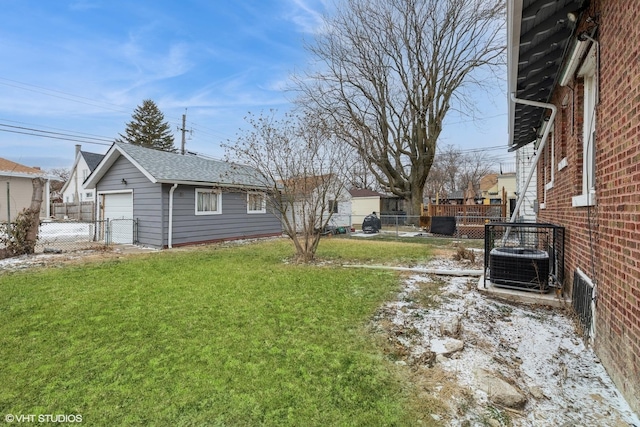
(469, 219)
(83, 211)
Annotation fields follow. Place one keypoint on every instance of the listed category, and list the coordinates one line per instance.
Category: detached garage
(161, 199)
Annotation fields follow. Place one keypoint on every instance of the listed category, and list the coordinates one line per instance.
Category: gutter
(170, 232)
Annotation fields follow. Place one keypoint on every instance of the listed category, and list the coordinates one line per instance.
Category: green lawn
(216, 336)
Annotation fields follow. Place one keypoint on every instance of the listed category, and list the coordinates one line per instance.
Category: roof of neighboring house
(488, 181)
(364, 192)
(165, 167)
(538, 33)
(9, 168)
(92, 159)
(457, 194)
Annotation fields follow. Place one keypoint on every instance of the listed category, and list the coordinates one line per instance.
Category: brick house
(574, 83)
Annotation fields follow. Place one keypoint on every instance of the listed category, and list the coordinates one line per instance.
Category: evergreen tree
(148, 128)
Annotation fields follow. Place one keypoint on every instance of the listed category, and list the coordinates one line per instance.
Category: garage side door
(118, 209)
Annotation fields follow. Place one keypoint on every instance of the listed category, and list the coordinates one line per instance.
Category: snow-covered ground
(534, 349)
(66, 231)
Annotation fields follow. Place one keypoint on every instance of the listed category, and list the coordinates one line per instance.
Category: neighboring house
(16, 189)
(573, 76)
(363, 203)
(489, 189)
(322, 195)
(179, 199)
(74, 190)
(499, 188)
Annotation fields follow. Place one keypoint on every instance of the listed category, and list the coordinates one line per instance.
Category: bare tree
(453, 169)
(296, 159)
(392, 70)
(62, 176)
(22, 235)
(357, 173)
(473, 166)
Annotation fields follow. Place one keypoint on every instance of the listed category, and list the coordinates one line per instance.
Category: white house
(363, 203)
(74, 190)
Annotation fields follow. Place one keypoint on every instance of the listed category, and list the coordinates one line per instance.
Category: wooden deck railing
(467, 214)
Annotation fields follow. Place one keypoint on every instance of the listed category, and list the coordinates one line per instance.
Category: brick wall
(604, 240)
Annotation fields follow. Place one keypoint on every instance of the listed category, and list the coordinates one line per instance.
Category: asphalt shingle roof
(171, 167)
(13, 167)
(364, 192)
(92, 159)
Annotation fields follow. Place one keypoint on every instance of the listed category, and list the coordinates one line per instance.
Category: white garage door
(118, 209)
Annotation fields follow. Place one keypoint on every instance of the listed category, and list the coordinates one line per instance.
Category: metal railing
(524, 256)
(583, 302)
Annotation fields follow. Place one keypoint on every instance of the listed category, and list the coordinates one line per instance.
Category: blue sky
(80, 68)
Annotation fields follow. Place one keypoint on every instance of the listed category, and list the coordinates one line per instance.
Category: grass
(219, 336)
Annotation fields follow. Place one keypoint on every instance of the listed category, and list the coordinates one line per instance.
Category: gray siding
(147, 197)
(233, 222)
(151, 208)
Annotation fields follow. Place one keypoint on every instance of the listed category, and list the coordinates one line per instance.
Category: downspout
(536, 157)
(170, 233)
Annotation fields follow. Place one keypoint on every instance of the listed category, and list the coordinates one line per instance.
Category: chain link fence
(121, 231)
(65, 236)
(470, 226)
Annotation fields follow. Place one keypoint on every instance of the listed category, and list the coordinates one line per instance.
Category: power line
(76, 133)
(89, 101)
(476, 119)
(68, 96)
(55, 135)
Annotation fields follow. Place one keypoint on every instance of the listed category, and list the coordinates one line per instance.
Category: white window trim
(218, 193)
(264, 203)
(549, 181)
(588, 72)
(563, 163)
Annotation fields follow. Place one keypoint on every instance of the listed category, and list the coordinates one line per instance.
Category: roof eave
(514, 12)
(213, 184)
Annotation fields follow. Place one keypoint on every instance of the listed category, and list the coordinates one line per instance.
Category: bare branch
(392, 69)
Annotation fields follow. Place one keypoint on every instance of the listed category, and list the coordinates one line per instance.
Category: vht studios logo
(43, 418)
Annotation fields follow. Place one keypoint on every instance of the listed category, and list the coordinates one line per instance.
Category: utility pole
(183, 129)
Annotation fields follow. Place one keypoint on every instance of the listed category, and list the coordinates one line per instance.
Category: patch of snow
(362, 234)
(536, 349)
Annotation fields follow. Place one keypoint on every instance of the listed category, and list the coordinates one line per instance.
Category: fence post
(107, 232)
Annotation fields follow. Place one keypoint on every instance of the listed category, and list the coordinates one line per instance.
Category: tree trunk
(415, 205)
(34, 214)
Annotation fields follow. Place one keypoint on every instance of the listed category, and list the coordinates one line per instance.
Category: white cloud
(307, 15)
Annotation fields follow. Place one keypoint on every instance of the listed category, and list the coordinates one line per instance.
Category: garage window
(256, 203)
(208, 201)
